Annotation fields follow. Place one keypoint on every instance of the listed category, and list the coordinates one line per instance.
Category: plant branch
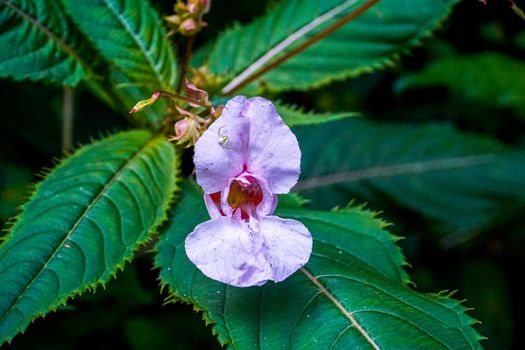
(184, 63)
(253, 72)
(67, 119)
(182, 98)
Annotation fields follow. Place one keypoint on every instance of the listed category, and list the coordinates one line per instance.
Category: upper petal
(273, 152)
(288, 245)
(221, 150)
(249, 135)
(228, 251)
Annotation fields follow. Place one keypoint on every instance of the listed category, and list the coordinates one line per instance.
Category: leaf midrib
(53, 37)
(341, 308)
(81, 217)
(136, 38)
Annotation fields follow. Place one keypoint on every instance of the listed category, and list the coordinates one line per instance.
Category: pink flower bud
(198, 7)
(186, 130)
(189, 27)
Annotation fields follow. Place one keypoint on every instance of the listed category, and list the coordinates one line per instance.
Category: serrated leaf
(463, 181)
(371, 41)
(130, 35)
(294, 116)
(485, 79)
(82, 223)
(349, 296)
(39, 43)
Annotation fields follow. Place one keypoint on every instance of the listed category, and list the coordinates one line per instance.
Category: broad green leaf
(294, 116)
(486, 79)
(39, 43)
(463, 181)
(371, 41)
(356, 301)
(82, 223)
(130, 35)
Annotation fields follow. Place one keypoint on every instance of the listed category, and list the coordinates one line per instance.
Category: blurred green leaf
(130, 35)
(371, 41)
(82, 223)
(463, 181)
(487, 79)
(484, 285)
(14, 185)
(358, 282)
(39, 43)
(177, 327)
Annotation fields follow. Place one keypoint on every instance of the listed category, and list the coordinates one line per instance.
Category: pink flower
(244, 159)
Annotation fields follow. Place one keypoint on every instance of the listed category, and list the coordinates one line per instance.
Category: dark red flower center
(245, 196)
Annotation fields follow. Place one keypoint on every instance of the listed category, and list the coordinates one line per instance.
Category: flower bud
(186, 130)
(198, 7)
(145, 103)
(189, 27)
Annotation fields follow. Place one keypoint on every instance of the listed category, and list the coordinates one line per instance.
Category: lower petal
(245, 254)
(228, 251)
(288, 245)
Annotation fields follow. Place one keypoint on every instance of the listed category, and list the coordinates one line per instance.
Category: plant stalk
(67, 119)
(184, 63)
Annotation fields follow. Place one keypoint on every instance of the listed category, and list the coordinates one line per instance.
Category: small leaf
(82, 223)
(130, 35)
(350, 295)
(371, 41)
(294, 116)
(463, 181)
(39, 43)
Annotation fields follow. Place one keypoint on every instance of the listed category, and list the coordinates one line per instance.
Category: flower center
(245, 195)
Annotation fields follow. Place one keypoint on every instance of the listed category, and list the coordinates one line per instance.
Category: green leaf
(371, 41)
(463, 181)
(485, 79)
(130, 35)
(84, 220)
(39, 43)
(294, 116)
(358, 284)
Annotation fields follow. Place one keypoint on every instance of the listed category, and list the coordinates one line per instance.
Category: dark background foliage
(485, 266)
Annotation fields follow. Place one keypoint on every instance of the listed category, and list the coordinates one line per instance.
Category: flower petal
(214, 208)
(249, 135)
(273, 151)
(288, 245)
(246, 254)
(228, 251)
(221, 150)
